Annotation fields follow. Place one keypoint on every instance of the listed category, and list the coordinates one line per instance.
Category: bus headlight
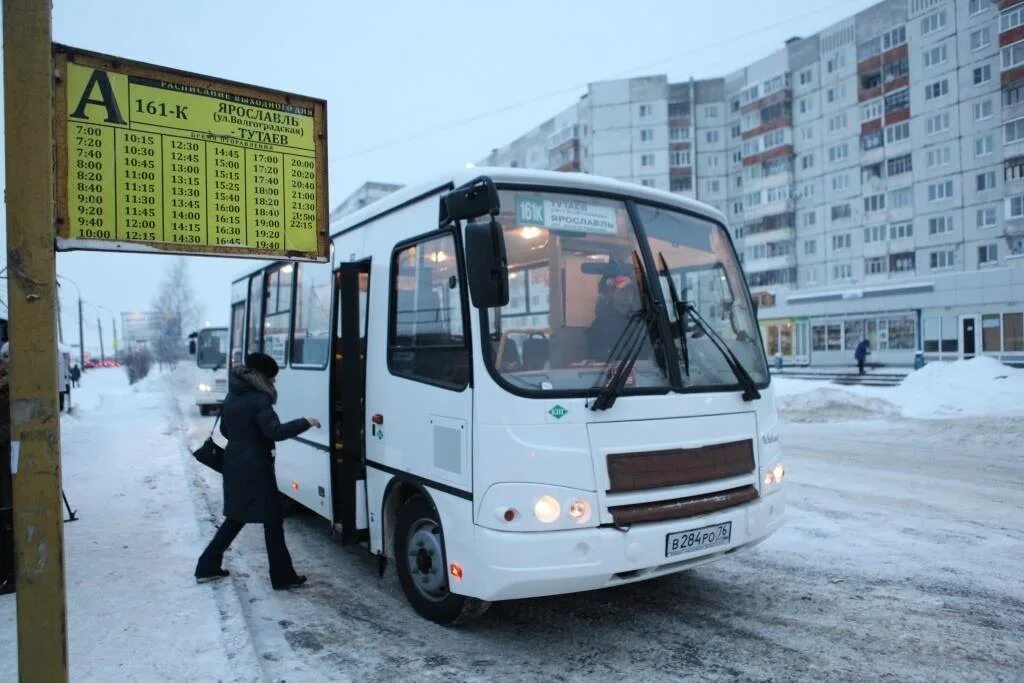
(552, 508)
(547, 509)
(205, 387)
(773, 477)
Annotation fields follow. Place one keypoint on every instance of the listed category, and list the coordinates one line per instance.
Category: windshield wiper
(680, 310)
(627, 347)
(747, 382)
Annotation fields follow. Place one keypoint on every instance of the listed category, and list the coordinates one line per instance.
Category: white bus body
(210, 347)
(488, 479)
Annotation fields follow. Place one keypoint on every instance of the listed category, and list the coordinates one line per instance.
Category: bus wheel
(204, 410)
(420, 561)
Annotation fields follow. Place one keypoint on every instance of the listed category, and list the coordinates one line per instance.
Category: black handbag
(210, 454)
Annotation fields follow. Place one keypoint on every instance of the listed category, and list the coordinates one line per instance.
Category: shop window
(1013, 332)
(991, 333)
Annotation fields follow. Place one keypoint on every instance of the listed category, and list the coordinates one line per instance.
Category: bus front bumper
(512, 565)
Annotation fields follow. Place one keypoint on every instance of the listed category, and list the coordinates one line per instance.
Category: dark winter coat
(862, 350)
(251, 426)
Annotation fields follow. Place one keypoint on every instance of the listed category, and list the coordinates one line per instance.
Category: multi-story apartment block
(872, 176)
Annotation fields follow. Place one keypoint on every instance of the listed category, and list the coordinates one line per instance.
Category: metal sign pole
(32, 288)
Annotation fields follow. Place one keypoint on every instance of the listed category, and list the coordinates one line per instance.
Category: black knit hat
(262, 363)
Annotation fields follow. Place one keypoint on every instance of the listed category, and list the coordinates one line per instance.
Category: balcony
(761, 265)
(776, 235)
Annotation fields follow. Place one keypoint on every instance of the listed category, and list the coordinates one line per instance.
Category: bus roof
(519, 176)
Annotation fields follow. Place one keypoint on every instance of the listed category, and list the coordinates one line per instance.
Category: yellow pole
(32, 291)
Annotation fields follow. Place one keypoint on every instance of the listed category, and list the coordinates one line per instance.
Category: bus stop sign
(151, 159)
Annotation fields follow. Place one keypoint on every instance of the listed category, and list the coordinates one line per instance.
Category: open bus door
(348, 399)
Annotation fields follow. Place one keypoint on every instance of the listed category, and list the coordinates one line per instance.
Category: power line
(540, 98)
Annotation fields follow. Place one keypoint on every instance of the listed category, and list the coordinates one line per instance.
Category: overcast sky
(412, 87)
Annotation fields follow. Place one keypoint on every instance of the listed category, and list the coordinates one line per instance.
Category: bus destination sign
(156, 160)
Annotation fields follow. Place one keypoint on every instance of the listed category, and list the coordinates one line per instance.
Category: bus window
(211, 351)
(277, 313)
(237, 333)
(254, 340)
(311, 338)
(427, 340)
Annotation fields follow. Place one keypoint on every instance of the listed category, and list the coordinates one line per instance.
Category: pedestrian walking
(76, 374)
(248, 421)
(861, 354)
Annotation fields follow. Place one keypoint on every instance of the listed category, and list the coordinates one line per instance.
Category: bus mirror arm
(486, 264)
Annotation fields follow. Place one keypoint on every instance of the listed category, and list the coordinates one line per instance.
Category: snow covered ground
(902, 558)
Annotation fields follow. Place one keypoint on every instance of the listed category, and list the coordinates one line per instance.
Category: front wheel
(422, 568)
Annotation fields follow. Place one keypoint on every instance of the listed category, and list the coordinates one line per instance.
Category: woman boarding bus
(535, 383)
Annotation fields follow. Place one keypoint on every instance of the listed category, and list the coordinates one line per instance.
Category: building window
(940, 225)
(940, 191)
(680, 158)
(646, 135)
(1011, 19)
(983, 145)
(1013, 131)
(871, 141)
(647, 182)
(987, 253)
(713, 161)
(901, 198)
(427, 342)
(841, 211)
(875, 233)
(894, 38)
(647, 160)
(807, 161)
(941, 259)
(936, 89)
(935, 56)
(840, 182)
(1015, 206)
(735, 131)
(810, 218)
(677, 133)
(899, 231)
(774, 139)
(684, 184)
(737, 156)
(838, 152)
(712, 136)
(810, 247)
(937, 123)
(873, 203)
(897, 133)
(982, 110)
(872, 111)
(985, 181)
(737, 207)
(1012, 55)
(939, 156)
(646, 110)
(678, 109)
(713, 186)
(903, 164)
(1013, 332)
(933, 22)
(807, 191)
(901, 263)
(977, 6)
(842, 271)
(805, 76)
(711, 111)
(981, 38)
(897, 100)
(837, 122)
(986, 218)
(841, 241)
(871, 172)
(875, 266)
(982, 74)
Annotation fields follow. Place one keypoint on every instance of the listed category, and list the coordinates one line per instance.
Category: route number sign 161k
(155, 160)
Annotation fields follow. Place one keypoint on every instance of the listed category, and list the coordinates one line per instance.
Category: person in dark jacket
(249, 423)
(76, 374)
(861, 354)
(617, 299)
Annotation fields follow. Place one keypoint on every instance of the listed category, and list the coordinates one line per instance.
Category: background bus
(210, 348)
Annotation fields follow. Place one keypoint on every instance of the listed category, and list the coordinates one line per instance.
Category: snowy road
(902, 556)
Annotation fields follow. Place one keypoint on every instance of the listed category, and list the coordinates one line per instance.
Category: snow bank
(979, 387)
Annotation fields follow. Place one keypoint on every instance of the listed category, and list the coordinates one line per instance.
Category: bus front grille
(679, 466)
(678, 508)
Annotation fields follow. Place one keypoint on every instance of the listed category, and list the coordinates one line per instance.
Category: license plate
(680, 542)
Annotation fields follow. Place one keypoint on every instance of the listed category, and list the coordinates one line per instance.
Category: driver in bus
(618, 297)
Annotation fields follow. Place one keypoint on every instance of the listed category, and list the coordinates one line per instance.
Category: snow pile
(979, 387)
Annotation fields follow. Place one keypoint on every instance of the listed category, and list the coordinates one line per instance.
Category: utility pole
(81, 336)
(99, 326)
(32, 287)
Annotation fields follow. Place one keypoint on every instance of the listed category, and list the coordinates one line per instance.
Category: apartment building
(872, 176)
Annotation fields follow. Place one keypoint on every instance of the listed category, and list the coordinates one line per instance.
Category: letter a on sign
(107, 100)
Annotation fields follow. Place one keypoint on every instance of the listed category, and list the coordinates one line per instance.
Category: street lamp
(81, 343)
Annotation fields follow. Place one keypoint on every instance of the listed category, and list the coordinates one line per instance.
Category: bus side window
(428, 341)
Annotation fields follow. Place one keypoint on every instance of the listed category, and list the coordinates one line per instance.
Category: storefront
(892, 338)
(951, 335)
(787, 338)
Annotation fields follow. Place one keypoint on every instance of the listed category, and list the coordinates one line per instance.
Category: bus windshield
(576, 281)
(212, 347)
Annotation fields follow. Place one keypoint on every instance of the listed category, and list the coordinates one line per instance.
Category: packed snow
(901, 558)
(979, 387)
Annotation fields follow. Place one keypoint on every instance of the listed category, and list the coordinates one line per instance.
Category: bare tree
(177, 309)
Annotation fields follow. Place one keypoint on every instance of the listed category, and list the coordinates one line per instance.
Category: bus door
(348, 397)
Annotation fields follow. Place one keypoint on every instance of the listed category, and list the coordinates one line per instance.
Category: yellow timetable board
(151, 159)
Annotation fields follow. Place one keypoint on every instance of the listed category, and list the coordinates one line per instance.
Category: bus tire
(204, 410)
(422, 568)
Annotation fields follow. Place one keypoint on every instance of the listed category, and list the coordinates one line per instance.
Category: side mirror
(486, 264)
(192, 347)
(478, 197)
